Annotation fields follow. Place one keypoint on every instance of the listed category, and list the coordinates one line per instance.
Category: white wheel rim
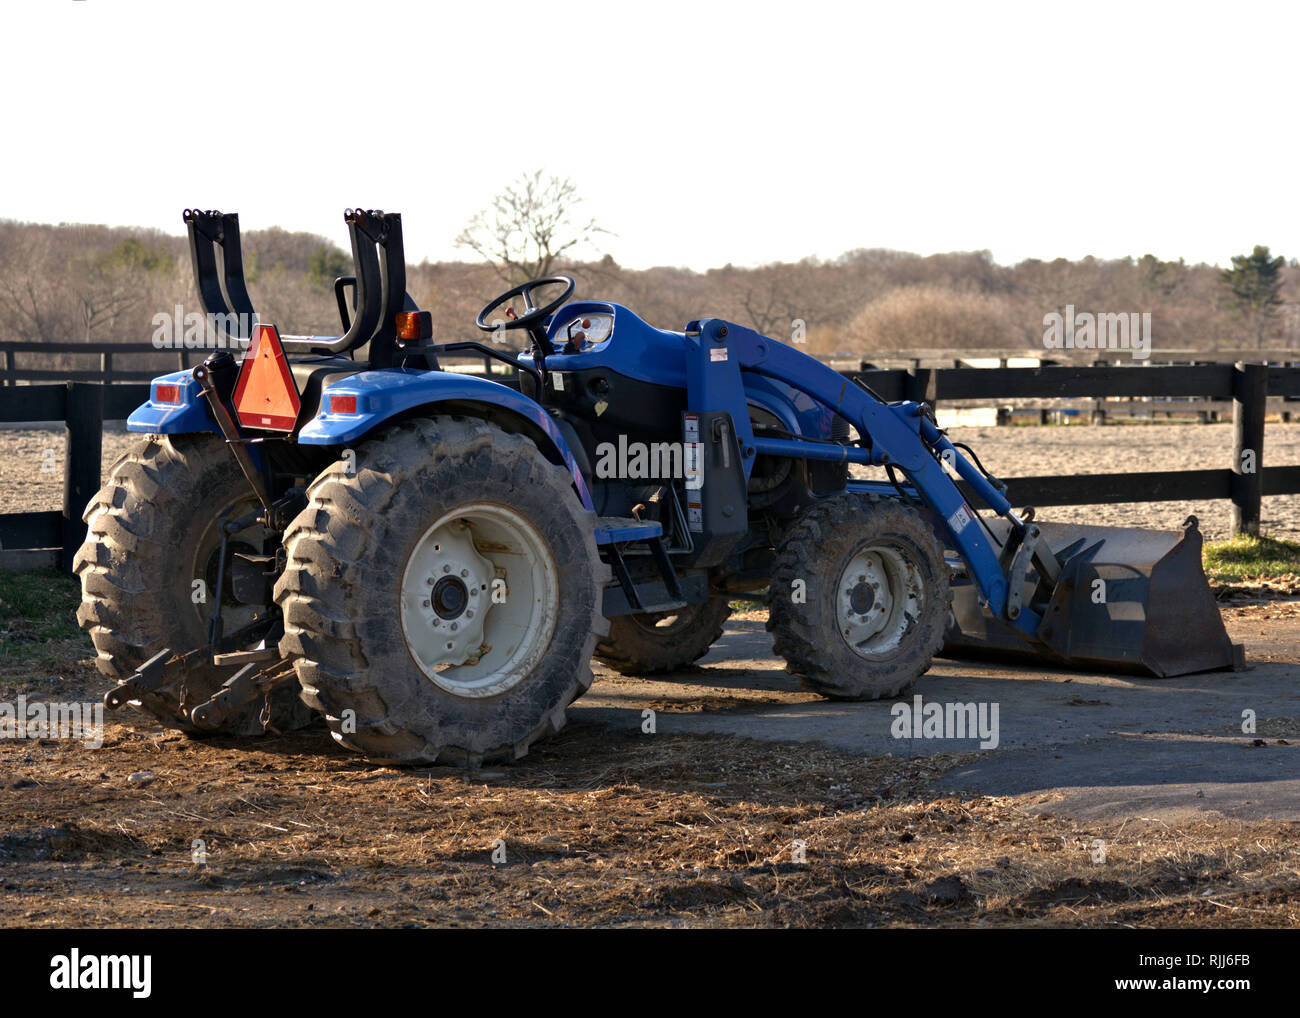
(479, 598)
(878, 599)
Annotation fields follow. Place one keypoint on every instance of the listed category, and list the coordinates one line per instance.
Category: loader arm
(900, 434)
(1127, 599)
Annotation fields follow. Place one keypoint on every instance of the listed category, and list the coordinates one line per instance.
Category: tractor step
(653, 596)
(647, 595)
(664, 606)
(622, 529)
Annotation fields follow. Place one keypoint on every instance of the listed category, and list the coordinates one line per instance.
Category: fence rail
(84, 406)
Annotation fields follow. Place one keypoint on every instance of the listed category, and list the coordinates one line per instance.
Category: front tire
(442, 597)
(860, 598)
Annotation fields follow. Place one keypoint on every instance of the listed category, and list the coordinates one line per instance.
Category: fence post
(82, 449)
(1099, 404)
(1249, 403)
(921, 385)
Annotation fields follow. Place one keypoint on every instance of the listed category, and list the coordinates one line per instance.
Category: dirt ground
(596, 827)
(31, 467)
(606, 825)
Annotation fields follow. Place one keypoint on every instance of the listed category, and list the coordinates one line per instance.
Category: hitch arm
(166, 666)
(245, 686)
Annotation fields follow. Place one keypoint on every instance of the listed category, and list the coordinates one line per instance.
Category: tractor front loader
(335, 526)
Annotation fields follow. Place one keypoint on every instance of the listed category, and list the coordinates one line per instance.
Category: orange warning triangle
(265, 396)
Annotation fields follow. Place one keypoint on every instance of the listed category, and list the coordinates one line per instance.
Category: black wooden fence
(1245, 480)
(85, 405)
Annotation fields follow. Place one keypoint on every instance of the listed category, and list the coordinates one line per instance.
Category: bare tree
(529, 226)
(104, 294)
(32, 308)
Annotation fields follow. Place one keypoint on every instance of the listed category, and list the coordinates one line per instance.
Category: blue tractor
(336, 526)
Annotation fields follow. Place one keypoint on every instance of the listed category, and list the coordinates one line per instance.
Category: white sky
(700, 133)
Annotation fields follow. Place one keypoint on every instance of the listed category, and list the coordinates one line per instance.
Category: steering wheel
(533, 315)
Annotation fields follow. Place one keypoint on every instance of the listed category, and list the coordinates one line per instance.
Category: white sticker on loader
(959, 520)
(693, 457)
(693, 466)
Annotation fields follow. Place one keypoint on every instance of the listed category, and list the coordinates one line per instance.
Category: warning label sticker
(960, 520)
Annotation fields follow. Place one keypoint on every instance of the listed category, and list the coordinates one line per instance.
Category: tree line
(99, 284)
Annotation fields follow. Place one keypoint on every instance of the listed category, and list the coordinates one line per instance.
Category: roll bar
(380, 265)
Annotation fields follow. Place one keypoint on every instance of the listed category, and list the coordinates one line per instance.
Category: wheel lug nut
(464, 572)
(446, 569)
(454, 627)
(469, 614)
(424, 603)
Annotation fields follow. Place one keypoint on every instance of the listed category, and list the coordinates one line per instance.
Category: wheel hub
(879, 598)
(450, 597)
(479, 600)
(862, 597)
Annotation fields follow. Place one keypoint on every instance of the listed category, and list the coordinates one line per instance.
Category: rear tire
(860, 598)
(388, 595)
(663, 642)
(151, 532)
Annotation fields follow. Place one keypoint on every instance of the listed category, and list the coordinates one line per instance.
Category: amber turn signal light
(413, 326)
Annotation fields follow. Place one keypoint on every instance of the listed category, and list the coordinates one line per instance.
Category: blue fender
(383, 394)
(190, 415)
(380, 395)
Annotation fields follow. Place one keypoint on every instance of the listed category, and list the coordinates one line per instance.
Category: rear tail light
(167, 394)
(343, 404)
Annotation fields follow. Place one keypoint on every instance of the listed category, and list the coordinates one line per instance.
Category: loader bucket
(1152, 613)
